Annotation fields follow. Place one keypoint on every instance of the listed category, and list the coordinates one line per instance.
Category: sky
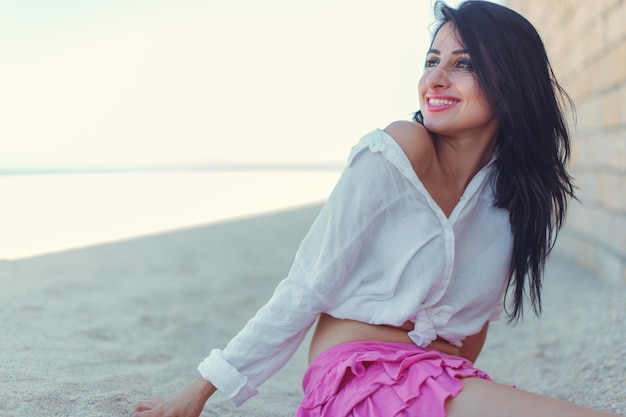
(164, 83)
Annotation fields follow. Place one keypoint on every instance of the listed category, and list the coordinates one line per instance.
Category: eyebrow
(455, 52)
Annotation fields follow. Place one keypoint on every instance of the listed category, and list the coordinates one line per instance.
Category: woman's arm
(188, 402)
(472, 345)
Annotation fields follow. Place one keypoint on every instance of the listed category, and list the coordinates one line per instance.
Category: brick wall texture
(586, 43)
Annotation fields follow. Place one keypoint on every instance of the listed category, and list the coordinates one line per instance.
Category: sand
(89, 332)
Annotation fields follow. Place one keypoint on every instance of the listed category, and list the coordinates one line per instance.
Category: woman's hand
(186, 403)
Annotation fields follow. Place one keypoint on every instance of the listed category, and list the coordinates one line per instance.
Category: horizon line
(209, 167)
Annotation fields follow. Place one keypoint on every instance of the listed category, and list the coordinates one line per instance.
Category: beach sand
(89, 332)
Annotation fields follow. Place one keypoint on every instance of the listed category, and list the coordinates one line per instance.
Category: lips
(440, 103)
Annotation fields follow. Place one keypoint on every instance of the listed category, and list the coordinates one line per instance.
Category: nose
(437, 78)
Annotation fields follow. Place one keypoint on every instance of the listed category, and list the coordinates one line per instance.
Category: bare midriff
(331, 331)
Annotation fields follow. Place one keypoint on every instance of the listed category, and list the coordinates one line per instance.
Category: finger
(148, 404)
(147, 413)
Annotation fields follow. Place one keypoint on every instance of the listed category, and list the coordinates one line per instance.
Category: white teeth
(440, 102)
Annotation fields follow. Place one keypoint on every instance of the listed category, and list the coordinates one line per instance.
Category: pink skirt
(370, 379)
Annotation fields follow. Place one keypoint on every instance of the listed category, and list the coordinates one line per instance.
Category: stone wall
(586, 43)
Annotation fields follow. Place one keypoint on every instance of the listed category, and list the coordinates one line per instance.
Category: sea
(45, 212)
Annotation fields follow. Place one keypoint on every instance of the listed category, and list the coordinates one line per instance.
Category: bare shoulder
(415, 141)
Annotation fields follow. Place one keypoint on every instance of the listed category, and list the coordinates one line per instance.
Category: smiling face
(451, 100)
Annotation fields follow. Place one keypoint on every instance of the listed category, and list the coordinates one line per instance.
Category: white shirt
(381, 251)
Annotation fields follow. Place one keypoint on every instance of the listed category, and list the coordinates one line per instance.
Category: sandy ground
(89, 332)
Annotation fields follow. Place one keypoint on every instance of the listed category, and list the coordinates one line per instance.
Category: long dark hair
(512, 68)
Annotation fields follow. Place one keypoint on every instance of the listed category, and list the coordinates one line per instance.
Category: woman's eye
(432, 62)
(464, 64)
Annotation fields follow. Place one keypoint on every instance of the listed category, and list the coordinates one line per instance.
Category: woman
(414, 250)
